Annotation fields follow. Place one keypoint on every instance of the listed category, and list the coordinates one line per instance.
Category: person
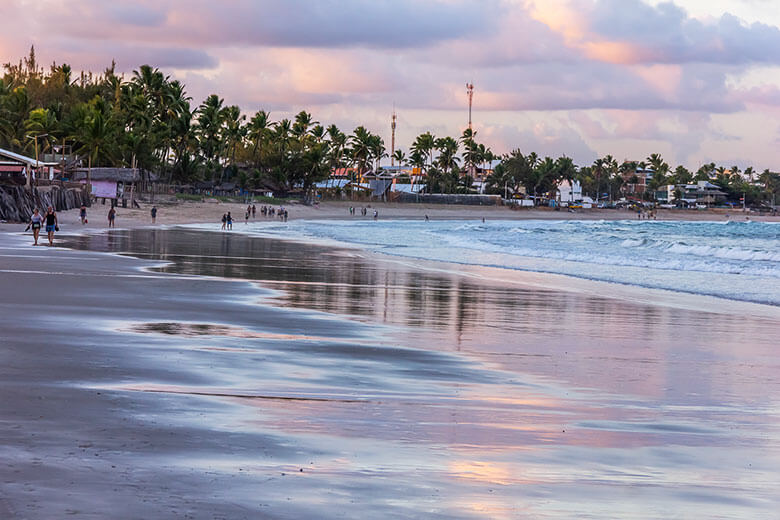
(285, 215)
(254, 211)
(224, 220)
(51, 224)
(229, 221)
(111, 216)
(248, 211)
(154, 214)
(426, 218)
(376, 214)
(36, 220)
(246, 216)
(83, 214)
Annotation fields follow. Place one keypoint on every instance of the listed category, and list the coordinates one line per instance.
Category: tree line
(148, 121)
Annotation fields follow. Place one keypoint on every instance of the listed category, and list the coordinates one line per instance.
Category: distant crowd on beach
(363, 212)
(251, 212)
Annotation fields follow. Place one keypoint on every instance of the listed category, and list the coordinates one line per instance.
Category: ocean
(732, 260)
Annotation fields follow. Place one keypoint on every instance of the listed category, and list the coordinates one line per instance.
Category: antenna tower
(392, 141)
(470, 92)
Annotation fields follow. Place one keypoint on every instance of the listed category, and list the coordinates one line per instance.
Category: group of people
(648, 215)
(37, 221)
(270, 211)
(363, 212)
(251, 211)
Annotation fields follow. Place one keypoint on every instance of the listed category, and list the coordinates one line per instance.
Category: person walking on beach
(111, 217)
(246, 216)
(229, 221)
(224, 220)
(36, 221)
(83, 214)
(285, 215)
(51, 224)
(376, 214)
(254, 211)
(154, 214)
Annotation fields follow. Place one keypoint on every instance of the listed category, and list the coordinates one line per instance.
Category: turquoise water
(733, 260)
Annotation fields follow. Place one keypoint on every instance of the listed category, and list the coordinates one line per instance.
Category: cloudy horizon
(695, 81)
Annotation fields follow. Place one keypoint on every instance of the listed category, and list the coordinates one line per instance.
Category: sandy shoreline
(204, 212)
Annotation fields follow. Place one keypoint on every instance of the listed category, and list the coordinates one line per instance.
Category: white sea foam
(732, 261)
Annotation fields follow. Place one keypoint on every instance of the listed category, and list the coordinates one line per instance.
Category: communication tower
(470, 92)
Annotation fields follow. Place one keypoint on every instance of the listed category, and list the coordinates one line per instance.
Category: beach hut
(16, 168)
(111, 183)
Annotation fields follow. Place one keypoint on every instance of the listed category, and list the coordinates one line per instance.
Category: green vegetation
(148, 121)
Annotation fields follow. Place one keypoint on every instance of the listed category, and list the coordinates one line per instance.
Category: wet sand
(238, 377)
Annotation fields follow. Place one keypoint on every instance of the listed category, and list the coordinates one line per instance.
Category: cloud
(620, 73)
(632, 32)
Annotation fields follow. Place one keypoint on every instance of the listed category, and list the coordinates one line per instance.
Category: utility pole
(392, 141)
(470, 93)
(37, 164)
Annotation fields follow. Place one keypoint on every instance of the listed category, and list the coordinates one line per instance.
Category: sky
(694, 80)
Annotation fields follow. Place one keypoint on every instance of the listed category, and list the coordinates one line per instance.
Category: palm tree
(302, 123)
(257, 131)
(364, 147)
(233, 132)
(448, 149)
(96, 137)
(399, 157)
(211, 117)
(425, 144)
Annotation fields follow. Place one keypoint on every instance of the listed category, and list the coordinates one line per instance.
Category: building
(637, 179)
(701, 193)
(111, 183)
(16, 168)
(569, 191)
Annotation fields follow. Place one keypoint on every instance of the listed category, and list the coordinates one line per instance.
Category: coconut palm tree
(448, 149)
(425, 144)
(211, 119)
(399, 157)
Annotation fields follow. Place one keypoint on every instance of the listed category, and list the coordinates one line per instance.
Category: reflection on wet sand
(506, 400)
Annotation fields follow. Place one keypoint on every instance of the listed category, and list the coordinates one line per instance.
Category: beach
(174, 372)
(171, 213)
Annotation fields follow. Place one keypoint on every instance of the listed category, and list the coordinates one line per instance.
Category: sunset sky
(694, 80)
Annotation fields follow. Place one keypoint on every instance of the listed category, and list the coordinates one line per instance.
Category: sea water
(732, 260)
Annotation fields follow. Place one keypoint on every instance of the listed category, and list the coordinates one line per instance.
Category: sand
(212, 211)
(214, 375)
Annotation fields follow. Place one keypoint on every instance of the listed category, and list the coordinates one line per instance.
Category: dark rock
(17, 203)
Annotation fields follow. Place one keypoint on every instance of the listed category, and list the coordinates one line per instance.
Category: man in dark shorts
(154, 214)
(111, 217)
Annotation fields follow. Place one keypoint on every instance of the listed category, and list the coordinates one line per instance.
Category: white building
(569, 191)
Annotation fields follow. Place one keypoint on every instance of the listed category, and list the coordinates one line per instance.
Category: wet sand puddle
(468, 400)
